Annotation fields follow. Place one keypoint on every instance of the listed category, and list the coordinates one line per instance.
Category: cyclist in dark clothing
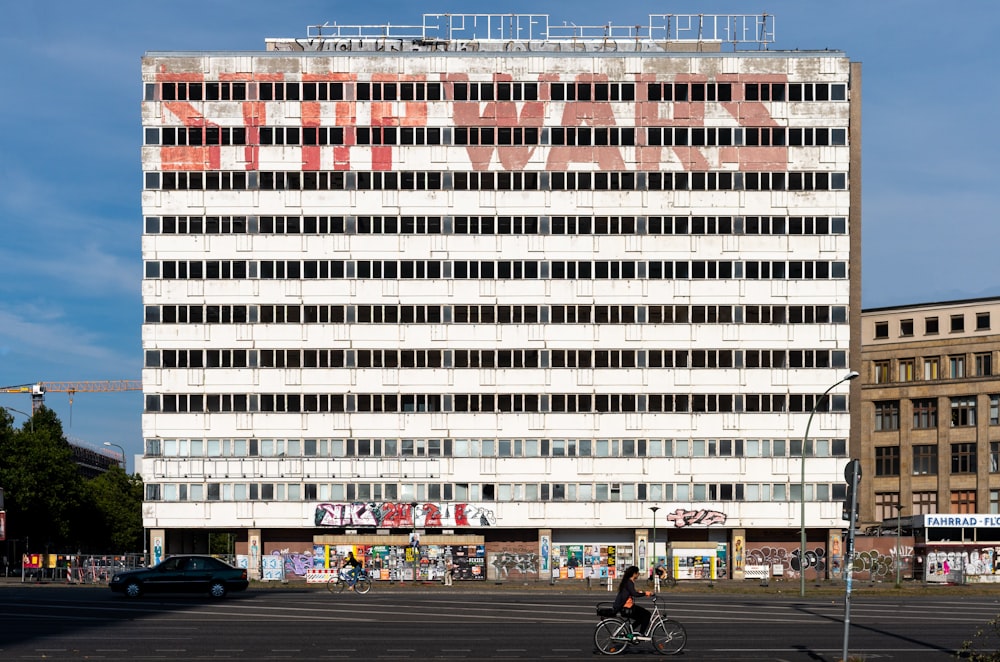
(625, 600)
(354, 564)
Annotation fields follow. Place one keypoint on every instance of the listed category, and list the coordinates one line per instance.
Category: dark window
(925, 413)
(887, 461)
(925, 460)
(963, 458)
(886, 415)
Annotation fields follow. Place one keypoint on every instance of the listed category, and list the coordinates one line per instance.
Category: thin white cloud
(46, 334)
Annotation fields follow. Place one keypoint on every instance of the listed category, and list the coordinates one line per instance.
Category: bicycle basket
(605, 609)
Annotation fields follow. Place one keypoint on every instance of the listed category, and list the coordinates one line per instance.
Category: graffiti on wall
(522, 563)
(790, 560)
(387, 515)
(296, 564)
(874, 562)
(958, 565)
(682, 518)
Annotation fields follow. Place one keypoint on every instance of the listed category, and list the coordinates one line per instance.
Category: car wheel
(133, 589)
(217, 590)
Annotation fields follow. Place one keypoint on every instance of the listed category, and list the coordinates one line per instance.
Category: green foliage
(984, 645)
(221, 544)
(116, 516)
(51, 505)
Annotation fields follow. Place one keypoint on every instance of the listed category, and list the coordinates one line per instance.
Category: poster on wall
(272, 568)
(695, 563)
(721, 567)
(581, 561)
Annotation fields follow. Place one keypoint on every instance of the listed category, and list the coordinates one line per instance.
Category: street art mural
(519, 564)
(643, 111)
(387, 515)
(738, 557)
(682, 518)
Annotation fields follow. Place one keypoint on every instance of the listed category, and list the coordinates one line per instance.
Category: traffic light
(848, 501)
(852, 474)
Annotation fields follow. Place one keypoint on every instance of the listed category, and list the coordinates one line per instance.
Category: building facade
(536, 300)
(931, 410)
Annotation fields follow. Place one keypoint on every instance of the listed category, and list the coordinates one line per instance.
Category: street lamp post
(31, 419)
(802, 485)
(899, 560)
(652, 566)
(413, 540)
(124, 459)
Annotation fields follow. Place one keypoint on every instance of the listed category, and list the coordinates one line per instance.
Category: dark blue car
(188, 573)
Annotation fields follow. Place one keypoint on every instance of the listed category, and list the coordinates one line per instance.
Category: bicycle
(668, 581)
(614, 634)
(360, 583)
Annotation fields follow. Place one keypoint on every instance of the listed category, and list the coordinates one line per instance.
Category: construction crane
(39, 389)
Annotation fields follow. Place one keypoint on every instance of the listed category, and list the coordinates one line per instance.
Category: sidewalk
(784, 587)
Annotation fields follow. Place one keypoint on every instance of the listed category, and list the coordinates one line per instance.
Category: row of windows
(461, 136)
(315, 180)
(958, 366)
(503, 225)
(355, 490)
(925, 459)
(932, 325)
(748, 181)
(359, 448)
(486, 91)
(493, 269)
(490, 314)
(531, 492)
(745, 136)
(964, 412)
(490, 358)
(926, 502)
(490, 402)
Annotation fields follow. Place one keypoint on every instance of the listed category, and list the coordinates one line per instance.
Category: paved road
(71, 623)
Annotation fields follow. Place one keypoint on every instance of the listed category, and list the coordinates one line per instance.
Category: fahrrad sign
(971, 520)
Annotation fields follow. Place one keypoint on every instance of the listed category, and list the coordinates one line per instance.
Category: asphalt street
(416, 623)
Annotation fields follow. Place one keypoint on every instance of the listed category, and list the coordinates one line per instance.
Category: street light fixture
(31, 419)
(802, 485)
(124, 459)
(652, 566)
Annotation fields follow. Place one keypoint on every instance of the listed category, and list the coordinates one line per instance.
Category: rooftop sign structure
(535, 32)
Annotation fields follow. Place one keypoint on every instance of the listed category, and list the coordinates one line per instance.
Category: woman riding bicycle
(625, 600)
(354, 564)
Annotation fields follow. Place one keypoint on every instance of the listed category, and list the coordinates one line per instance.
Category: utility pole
(852, 473)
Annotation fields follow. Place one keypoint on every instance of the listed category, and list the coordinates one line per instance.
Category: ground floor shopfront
(490, 553)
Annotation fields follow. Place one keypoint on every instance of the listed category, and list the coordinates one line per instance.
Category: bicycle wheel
(669, 637)
(669, 582)
(335, 585)
(609, 636)
(363, 585)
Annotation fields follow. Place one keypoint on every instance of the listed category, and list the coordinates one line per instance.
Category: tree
(42, 485)
(115, 500)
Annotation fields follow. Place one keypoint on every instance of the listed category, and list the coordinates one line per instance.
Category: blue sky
(70, 223)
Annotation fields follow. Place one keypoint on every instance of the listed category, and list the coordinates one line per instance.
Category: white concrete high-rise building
(502, 287)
